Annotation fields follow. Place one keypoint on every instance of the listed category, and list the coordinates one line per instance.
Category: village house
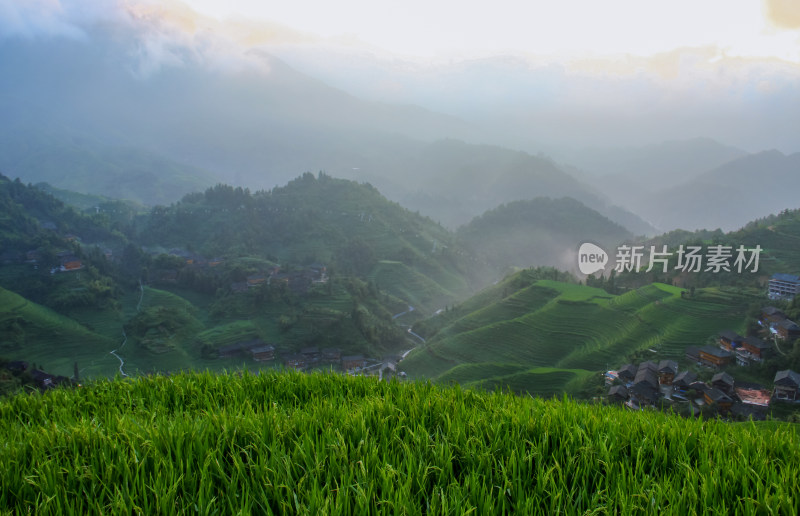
(618, 394)
(729, 340)
(263, 353)
(295, 361)
(716, 398)
(724, 382)
(754, 395)
(645, 385)
(770, 315)
(786, 385)
(755, 348)
(783, 286)
(332, 354)
(627, 373)
(683, 381)
(70, 263)
(255, 280)
(667, 369)
(241, 348)
(787, 330)
(714, 357)
(352, 362)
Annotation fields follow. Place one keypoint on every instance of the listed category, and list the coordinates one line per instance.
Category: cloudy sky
(568, 28)
(586, 71)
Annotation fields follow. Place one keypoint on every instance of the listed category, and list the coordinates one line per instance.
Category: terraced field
(571, 330)
(51, 340)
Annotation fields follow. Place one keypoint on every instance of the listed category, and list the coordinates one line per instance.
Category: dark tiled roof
(668, 366)
(685, 378)
(723, 377)
(717, 352)
(786, 277)
(757, 343)
(718, 396)
(787, 377)
(730, 335)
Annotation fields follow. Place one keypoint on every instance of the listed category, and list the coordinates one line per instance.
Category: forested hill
(349, 227)
(541, 231)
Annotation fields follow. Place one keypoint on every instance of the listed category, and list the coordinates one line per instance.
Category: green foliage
(573, 328)
(540, 231)
(314, 444)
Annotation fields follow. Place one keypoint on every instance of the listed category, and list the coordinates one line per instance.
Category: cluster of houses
(42, 380)
(647, 383)
(298, 281)
(310, 357)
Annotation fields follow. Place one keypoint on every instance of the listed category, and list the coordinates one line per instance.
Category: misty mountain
(85, 165)
(538, 232)
(111, 129)
(728, 196)
(256, 126)
(626, 174)
(453, 181)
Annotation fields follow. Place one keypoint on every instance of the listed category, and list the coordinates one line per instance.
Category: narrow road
(417, 336)
(410, 309)
(125, 336)
(114, 352)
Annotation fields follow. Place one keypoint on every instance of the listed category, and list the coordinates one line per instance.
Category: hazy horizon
(528, 75)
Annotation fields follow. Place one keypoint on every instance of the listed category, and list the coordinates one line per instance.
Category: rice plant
(289, 443)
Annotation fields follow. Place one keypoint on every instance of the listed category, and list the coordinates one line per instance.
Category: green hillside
(333, 444)
(543, 336)
(538, 232)
(348, 226)
(37, 334)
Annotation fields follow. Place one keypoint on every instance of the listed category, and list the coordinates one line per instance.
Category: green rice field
(290, 443)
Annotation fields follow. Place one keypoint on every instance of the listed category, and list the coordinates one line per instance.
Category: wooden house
(718, 399)
(729, 340)
(618, 394)
(627, 372)
(263, 353)
(787, 330)
(770, 315)
(757, 348)
(724, 382)
(667, 369)
(714, 357)
(353, 362)
(256, 280)
(295, 361)
(787, 385)
(683, 381)
(71, 263)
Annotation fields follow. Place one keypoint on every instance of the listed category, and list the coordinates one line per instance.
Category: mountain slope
(532, 323)
(538, 232)
(345, 225)
(729, 196)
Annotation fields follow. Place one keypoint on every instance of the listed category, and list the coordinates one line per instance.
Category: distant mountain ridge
(729, 196)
